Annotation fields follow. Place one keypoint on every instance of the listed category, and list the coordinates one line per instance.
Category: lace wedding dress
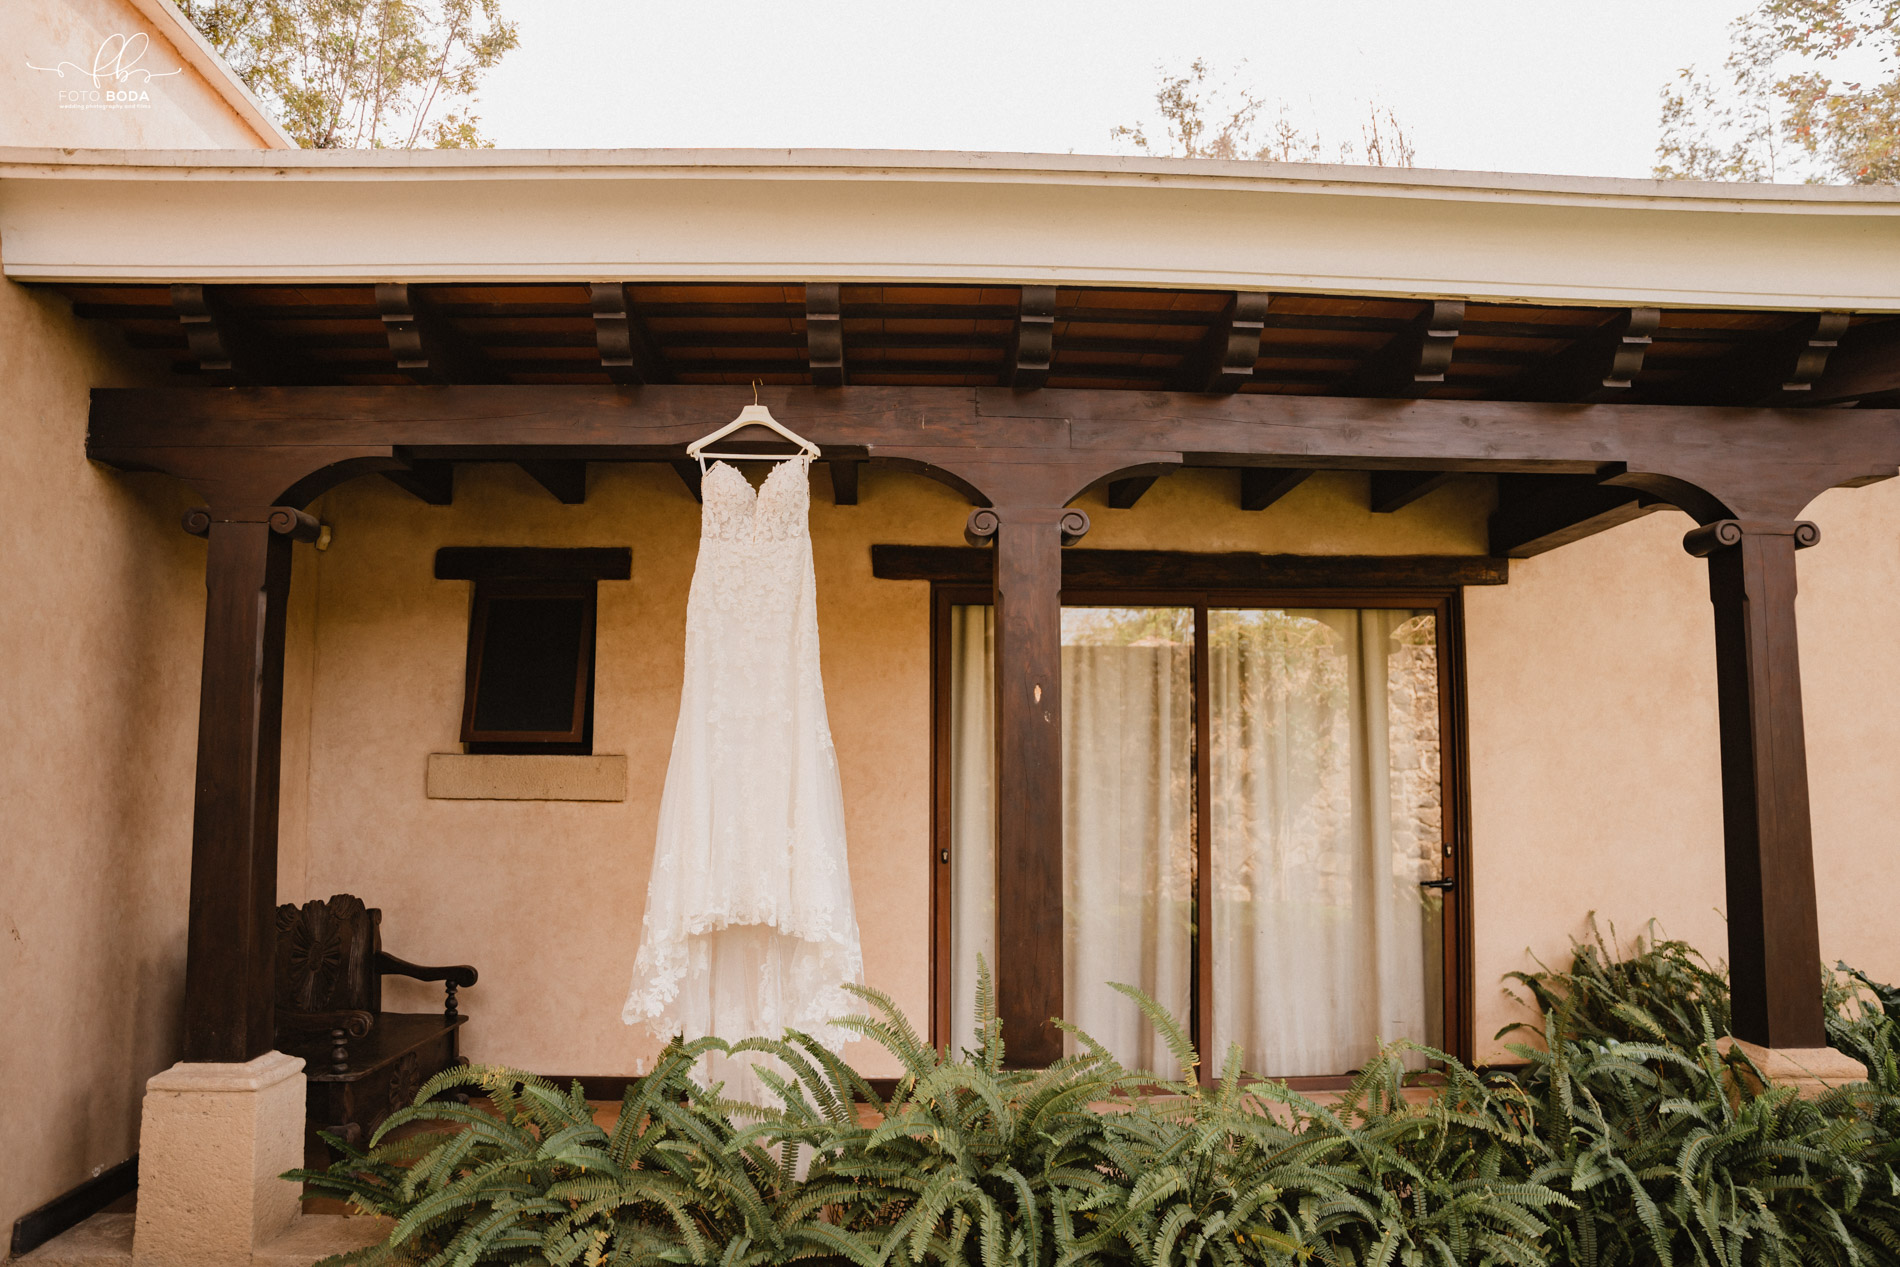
(750, 928)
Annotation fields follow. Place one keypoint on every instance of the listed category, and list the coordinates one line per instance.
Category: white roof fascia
(919, 217)
(192, 46)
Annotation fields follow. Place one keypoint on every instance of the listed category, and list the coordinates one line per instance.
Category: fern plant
(1627, 1137)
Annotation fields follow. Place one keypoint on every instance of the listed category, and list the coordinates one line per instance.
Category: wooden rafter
(421, 342)
(1414, 358)
(626, 352)
(1599, 365)
(1392, 491)
(1226, 357)
(1866, 367)
(1261, 486)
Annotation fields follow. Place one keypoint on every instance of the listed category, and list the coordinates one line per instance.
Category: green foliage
(1810, 90)
(1629, 1136)
(356, 74)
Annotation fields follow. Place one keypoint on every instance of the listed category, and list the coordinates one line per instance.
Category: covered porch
(1033, 438)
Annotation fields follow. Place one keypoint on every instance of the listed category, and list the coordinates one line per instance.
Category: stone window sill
(455, 776)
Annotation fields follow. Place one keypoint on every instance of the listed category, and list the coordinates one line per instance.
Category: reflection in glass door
(1326, 825)
(1317, 847)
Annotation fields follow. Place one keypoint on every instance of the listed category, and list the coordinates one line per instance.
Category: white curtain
(1325, 789)
(1325, 801)
(1128, 830)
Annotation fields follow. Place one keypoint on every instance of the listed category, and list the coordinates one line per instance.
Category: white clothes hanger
(753, 415)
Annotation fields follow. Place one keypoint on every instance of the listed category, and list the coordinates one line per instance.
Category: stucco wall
(1591, 698)
(101, 624)
(178, 111)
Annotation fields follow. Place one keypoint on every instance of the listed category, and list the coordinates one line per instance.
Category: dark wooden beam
(1123, 494)
(533, 563)
(1261, 486)
(690, 475)
(431, 480)
(1084, 569)
(1773, 926)
(1599, 365)
(1033, 347)
(1395, 490)
(230, 938)
(566, 479)
(824, 334)
(1414, 358)
(1865, 368)
(626, 352)
(1225, 359)
(421, 341)
(1713, 462)
(1536, 513)
(844, 480)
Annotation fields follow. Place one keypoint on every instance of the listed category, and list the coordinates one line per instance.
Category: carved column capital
(1724, 534)
(985, 522)
(285, 521)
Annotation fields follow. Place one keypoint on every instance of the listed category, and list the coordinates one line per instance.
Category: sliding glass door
(1279, 768)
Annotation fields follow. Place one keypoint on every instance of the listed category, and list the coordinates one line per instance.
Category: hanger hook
(755, 391)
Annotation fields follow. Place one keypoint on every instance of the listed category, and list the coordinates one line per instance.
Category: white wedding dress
(750, 928)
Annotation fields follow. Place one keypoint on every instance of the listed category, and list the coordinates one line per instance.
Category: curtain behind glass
(1128, 832)
(1325, 805)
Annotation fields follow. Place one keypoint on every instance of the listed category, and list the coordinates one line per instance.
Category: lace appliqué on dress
(750, 928)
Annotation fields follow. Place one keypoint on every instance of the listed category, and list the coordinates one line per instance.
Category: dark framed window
(1240, 875)
(529, 684)
(530, 667)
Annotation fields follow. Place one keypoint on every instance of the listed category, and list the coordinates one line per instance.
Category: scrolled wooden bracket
(1074, 525)
(1033, 348)
(1724, 534)
(1631, 347)
(1437, 342)
(824, 334)
(981, 527)
(627, 355)
(1811, 357)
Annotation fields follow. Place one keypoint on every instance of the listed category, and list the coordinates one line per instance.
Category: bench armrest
(339, 1027)
(455, 974)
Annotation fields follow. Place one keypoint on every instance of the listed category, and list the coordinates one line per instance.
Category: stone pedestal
(214, 1139)
(1811, 1071)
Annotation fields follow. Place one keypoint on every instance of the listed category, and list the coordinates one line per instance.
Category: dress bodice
(777, 511)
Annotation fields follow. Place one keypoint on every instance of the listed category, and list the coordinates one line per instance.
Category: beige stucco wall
(1595, 773)
(545, 898)
(1592, 730)
(183, 110)
(101, 621)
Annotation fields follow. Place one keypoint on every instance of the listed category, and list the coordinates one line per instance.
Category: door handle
(1442, 886)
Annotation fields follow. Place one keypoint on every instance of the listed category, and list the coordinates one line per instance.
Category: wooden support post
(1028, 650)
(1774, 939)
(230, 940)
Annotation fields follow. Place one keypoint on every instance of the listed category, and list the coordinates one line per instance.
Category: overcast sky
(1502, 85)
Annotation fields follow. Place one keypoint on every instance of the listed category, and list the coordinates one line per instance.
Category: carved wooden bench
(362, 1063)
